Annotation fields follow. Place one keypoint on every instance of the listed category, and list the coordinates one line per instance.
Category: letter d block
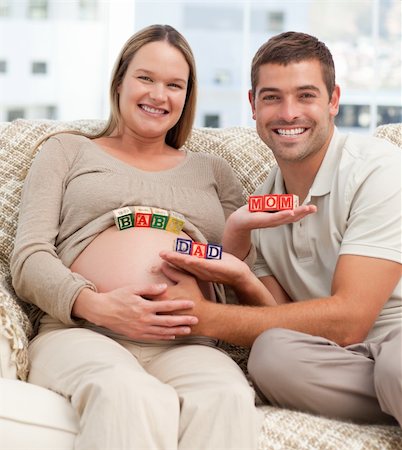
(199, 250)
(183, 246)
(214, 251)
(123, 218)
(160, 218)
(175, 223)
(143, 216)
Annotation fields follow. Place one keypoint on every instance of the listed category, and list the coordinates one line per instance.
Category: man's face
(293, 112)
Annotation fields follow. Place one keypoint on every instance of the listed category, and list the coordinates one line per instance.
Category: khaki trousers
(155, 397)
(361, 382)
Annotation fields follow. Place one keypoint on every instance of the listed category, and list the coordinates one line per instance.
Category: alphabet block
(175, 222)
(142, 216)
(199, 250)
(272, 202)
(208, 251)
(123, 218)
(183, 246)
(160, 218)
(214, 251)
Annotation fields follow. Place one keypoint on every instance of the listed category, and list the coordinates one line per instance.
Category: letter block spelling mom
(208, 251)
(272, 202)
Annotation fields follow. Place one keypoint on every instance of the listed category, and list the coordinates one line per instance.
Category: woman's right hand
(127, 311)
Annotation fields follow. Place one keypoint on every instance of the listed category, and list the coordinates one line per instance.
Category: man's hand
(228, 270)
(128, 312)
(237, 235)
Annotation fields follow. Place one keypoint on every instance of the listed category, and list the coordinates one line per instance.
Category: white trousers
(145, 396)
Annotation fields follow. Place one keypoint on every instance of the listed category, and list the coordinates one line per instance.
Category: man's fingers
(173, 273)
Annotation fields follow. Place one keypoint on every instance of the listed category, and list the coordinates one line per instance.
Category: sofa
(32, 417)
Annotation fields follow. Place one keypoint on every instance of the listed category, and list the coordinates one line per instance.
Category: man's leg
(118, 404)
(388, 373)
(217, 403)
(310, 373)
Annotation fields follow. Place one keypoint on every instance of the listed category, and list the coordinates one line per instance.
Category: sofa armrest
(14, 330)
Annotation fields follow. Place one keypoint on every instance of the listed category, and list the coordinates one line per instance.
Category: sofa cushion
(32, 417)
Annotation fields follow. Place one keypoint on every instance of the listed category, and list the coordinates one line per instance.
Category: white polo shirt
(357, 191)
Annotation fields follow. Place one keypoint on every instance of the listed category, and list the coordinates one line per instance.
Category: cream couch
(35, 418)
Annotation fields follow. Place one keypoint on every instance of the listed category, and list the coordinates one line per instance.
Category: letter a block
(199, 250)
(160, 218)
(183, 246)
(175, 222)
(272, 202)
(123, 218)
(142, 216)
(214, 251)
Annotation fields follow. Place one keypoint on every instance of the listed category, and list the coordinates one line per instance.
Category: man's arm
(361, 286)
(237, 234)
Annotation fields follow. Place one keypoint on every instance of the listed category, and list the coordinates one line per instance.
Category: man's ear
(252, 102)
(334, 101)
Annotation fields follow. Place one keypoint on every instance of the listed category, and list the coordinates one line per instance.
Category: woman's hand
(127, 311)
(228, 270)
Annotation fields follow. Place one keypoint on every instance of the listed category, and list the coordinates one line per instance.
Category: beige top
(357, 191)
(68, 198)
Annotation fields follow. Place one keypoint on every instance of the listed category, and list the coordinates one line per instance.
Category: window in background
(88, 9)
(38, 9)
(275, 21)
(204, 17)
(389, 114)
(212, 120)
(4, 8)
(353, 116)
(15, 113)
(3, 66)
(39, 67)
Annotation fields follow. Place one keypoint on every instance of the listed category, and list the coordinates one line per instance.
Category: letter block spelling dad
(208, 251)
(272, 202)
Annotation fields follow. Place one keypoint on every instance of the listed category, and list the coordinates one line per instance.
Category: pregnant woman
(127, 363)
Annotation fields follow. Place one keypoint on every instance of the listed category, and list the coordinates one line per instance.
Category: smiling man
(325, 293)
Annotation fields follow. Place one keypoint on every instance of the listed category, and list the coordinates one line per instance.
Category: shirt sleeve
(39, 276)
(374, 223)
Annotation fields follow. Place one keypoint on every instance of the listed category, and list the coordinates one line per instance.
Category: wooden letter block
(175, 223)
(123, 218)
(214, 251)
(272, 202)
(160, 218)
(142, 216)
(255, 203)
(184, 246)
(199, 250)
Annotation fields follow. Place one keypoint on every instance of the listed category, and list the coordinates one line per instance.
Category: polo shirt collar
(323, 180)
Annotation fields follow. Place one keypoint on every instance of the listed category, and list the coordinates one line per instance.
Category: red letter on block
(255, 203)
(199, 250)
(271, 202)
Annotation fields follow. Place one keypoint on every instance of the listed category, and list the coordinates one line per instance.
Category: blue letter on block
(183, 245)
(214, 251)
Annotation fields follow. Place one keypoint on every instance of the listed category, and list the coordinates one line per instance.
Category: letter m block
(256, 203)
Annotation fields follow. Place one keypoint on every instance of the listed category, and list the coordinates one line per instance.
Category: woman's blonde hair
(177, 135)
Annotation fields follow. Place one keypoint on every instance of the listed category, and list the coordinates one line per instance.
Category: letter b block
(123, 218)
(160, 218)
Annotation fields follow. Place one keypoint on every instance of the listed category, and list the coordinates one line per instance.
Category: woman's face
(153, 91)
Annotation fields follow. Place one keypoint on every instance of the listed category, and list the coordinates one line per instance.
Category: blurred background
(56, 56)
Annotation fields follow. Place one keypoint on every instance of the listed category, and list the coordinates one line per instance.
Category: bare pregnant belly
(128, 257)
